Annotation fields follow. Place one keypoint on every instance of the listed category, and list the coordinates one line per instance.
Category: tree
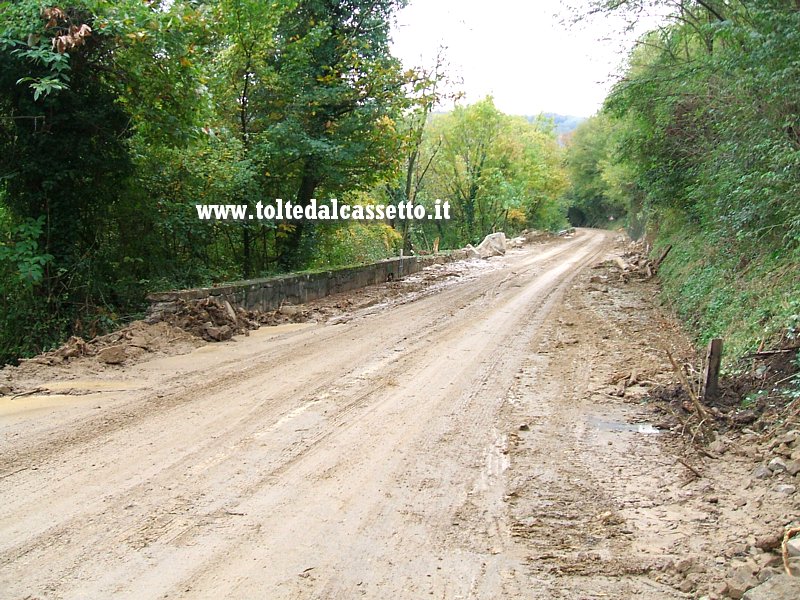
(429, 88)
(497, 171)
(69, 106)
(332, 106)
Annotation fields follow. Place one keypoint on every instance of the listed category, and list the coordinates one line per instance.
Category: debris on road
(494, 244)
(711, 522)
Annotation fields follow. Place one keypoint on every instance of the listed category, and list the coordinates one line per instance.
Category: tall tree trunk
(294, 255)
(247, 258)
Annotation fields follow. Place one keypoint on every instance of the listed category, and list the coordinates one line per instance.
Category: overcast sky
(520, 51)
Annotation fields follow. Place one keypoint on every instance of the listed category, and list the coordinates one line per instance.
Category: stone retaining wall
(272, 292)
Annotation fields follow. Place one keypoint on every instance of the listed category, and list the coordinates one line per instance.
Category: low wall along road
(272, 292)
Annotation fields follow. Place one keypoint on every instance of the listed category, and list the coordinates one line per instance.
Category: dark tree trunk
(294, 256)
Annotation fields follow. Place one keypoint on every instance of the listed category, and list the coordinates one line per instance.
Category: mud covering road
(447, 447)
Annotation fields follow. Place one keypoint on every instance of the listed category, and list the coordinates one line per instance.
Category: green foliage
(354, 243)
(118, 117)
(591, 195)
(22, 265)
(700, 140)
(492, 168)
(21, 253)
(743, 294)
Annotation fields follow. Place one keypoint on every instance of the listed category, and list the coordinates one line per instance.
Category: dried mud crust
(604, 504)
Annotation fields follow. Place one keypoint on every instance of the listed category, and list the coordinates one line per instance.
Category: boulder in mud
(290, 310)
(113, 355)
(493, 244)
(217, 334)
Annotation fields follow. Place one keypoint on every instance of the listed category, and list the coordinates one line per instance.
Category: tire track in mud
(429, 443)
(23, 454)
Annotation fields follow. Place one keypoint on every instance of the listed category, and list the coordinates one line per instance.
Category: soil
(487, 429)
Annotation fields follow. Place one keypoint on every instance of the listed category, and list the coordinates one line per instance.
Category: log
(662, 257)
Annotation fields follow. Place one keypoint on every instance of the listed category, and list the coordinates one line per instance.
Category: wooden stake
(662, 257)
(711, 374)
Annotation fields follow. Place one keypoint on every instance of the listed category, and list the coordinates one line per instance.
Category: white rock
(793, 546)
(786, 489)
(493, 244)
(777, 465)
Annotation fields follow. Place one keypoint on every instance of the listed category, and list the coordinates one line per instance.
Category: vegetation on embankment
(117, 118)
(698, 146)
(748, 296)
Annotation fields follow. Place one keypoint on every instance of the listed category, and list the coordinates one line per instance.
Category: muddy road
(448, 447)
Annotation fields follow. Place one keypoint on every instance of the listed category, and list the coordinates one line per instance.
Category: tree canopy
(117, 118)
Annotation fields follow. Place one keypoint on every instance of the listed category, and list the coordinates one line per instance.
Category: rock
(684, 565)
(5, 390)
(290, 310)
(789, 438)
(777, 587)
(787, 489)
(690, 583)
(217, 334)
(793, 467)
(139, 342)
(472, 252)
(737, 587)
(718, 447)
(230, 311)
(793, 546)
(745, 417)
(530, 235)
(767, 559)
(767, 572)
(770, 541)
(777, 465)
(762, 472)
(741, 579)
(493, 244)
(524, 427)
(794, 566)
(113, 355)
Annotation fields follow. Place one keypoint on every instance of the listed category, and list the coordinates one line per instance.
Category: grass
(745, 293)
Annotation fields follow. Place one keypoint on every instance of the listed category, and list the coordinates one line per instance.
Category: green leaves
(43, 86)
(498, 171)
(21, 251)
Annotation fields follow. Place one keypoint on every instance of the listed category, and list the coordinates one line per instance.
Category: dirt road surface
(449, 447)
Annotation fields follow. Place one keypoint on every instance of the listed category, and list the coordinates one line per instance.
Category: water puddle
(75, 386)
(25, 407)
(611, 425)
